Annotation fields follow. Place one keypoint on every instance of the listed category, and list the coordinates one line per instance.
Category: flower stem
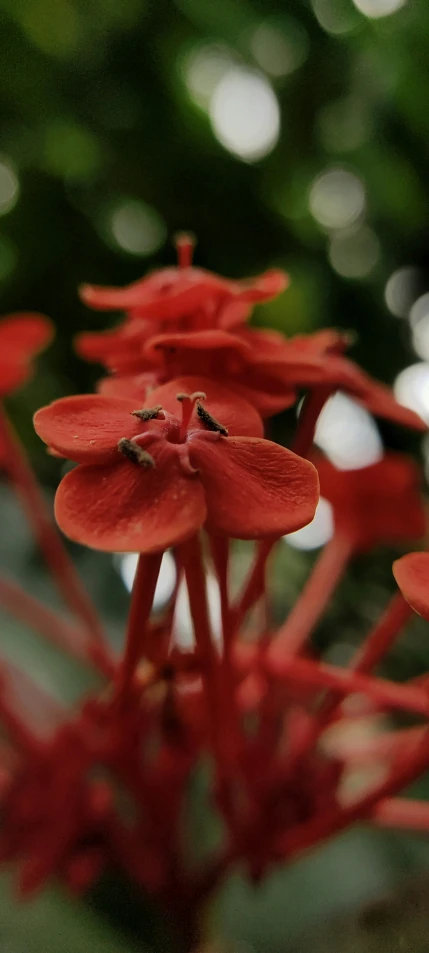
(330, 566)
(332, 821)
(55, 554)
(222, 734)
(254, 586)
(380, 638)
(318, 675)
(145, 581)
(28, 713)
(311, 409)
(49, 624)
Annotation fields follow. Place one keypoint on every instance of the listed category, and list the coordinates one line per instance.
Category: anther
(148, 413)
(135, 453)
(210, 422)
(197, 395)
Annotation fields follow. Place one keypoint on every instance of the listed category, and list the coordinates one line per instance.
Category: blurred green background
(291, 134)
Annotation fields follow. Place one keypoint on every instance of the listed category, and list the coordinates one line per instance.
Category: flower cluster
(170, 454)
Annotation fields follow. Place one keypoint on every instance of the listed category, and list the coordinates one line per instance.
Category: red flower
(22, 336)
(412, 575)
(375, 505)
(201, 297)
(186, 298)
(264, 367)
(149, 480)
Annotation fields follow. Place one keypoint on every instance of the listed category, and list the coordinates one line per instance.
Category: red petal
(122, 507)
(168, 293)
(88, 427)
(380, 401)
(265, 286)
(238, 416)
(212, 339)
(412, 575)
(26, 333)
(128, 386)
(254, 488)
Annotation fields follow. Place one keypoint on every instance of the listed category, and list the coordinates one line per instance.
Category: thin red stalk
(381, 637)
(311, 409)
(380, 747)
(291, 637)
(56, 556)
(322, 676)
(336, 819)
(219, 547)
(376, 645)
(27, 711)
(145, 581)
(223, 737)
(402, 812)
(49, 624)
(254, 585)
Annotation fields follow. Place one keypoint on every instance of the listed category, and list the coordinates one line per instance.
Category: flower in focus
(149, 479)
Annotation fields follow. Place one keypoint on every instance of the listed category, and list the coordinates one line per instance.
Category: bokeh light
(9, 186)
(419, 310)
(378, 8)
(245, 114)
(182, 625)
(347, 434)
(411, 389)
(419, 320)
(127, 566)
(336, 17)
(337, 198)
(400, 290)
(318, 532)
(354, 253)
(136, 227)
(279, 47)
(203, 68)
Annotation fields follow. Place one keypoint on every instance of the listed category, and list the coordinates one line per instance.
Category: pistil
(188, 402)
(185, 245)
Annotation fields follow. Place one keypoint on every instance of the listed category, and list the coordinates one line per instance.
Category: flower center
(176, 431)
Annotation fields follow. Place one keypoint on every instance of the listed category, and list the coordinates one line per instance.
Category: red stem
(380, 638)
(291, 637)
(222, 733)
(254, 586)
(49, 624)
(318, 675)
(336, 819)
(219, 546)
(56, 556)
(145, 580)
(402, 812)
(310, 412)
(28, 712)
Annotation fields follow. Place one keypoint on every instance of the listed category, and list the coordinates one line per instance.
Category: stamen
(149, 413)
(188, 401)
(197, 395)
(210, 421)
(135, 453)
(185, 244)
